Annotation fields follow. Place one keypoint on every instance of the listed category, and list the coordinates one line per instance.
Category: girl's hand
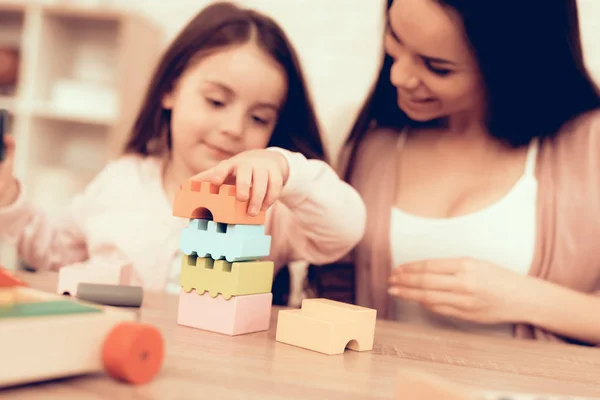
(468, 289)
(9, 188)
(259, 176)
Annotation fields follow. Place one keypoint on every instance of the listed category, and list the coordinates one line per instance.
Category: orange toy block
(8, 286)
(205, 200)
(7, 280)
(327, 326)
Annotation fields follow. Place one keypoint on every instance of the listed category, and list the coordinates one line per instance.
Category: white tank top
(503, 233)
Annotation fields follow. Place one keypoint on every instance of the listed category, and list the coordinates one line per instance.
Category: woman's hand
(468, 289)
(259, 176)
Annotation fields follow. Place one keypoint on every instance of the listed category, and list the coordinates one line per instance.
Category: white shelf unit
(83, 71)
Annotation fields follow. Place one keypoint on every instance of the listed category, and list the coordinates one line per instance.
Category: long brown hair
(219, 25)
(533, 69)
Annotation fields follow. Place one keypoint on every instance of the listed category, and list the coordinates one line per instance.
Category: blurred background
(72, 74)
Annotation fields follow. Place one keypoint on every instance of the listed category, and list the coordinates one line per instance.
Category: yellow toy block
(225, 278)
(327, 326)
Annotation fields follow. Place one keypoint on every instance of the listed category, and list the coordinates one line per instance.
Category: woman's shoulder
(380, 138)
(578, 137)
(376, 144)
(570, 161)
(577, 142)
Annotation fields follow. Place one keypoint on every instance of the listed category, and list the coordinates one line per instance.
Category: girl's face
(225, 103)
(434, 71)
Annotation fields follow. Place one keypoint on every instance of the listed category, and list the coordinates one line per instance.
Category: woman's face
(434, 72)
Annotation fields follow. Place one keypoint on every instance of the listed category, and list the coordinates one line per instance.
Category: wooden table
(255, 366)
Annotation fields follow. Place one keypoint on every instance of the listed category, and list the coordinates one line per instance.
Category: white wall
(338, 43)
(590, 33)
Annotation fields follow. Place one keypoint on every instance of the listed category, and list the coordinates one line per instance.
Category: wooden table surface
(255, 366)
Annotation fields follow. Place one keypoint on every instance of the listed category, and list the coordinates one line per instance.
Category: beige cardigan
(568, 214)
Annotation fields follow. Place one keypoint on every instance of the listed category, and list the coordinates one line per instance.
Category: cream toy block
(237, 316)
(71, 276)
(225, 278)
(327, 326)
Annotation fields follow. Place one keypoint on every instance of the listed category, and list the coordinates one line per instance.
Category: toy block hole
(221, 227)
(228, 190)
(202, 224)
(211, 188)
(353, 345)
(191, 259)
(208, 187)
(227, 266)
(66, 293)
(210, 264)
(194, 186)
(202, 213)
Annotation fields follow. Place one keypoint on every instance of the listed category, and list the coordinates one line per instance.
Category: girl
(228, 87)
(478, 157)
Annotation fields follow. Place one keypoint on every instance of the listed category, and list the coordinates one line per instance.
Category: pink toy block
(236, 316)
(71, 276)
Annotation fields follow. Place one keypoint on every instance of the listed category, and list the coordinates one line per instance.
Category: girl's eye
(215, 103)
(260, 121)
(438, 71)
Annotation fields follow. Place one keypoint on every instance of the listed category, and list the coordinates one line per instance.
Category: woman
(478, 156)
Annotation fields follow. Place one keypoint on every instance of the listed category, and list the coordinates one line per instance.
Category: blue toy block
(232, 242)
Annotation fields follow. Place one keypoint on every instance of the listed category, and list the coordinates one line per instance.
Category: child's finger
(260, 181)
(243, 181)
(216, 175)
(221, 172)
(274, 188)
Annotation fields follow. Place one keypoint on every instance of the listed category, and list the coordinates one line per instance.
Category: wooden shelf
(83, 71)
(13, 5)
(8, 103)
(47, 112)
(83, 12)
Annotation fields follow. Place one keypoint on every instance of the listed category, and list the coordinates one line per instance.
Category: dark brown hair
(532, 67)
(219, 25)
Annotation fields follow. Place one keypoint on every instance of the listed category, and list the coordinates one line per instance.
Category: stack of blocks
(225, 288)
